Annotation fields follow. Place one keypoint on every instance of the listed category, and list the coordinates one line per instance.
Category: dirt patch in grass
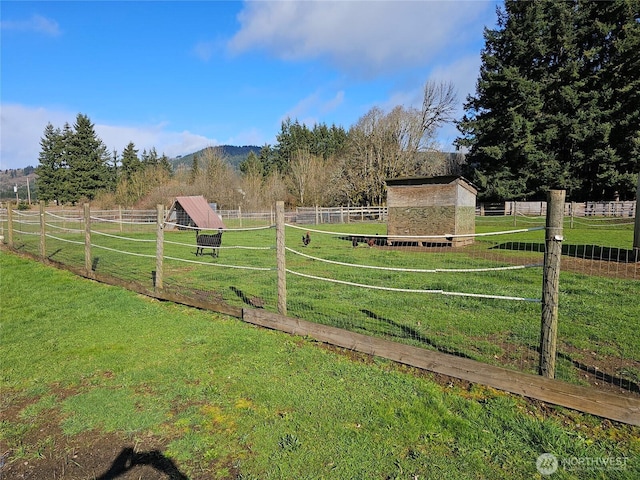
(89, 455)
(38, 449)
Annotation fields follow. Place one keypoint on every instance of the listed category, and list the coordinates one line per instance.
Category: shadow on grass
(255, 302)
(613, 380)
(54, 253)
(129, 459)
(586, 252)
(408, 332)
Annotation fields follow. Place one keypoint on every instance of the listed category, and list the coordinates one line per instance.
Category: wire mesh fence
(480, 301)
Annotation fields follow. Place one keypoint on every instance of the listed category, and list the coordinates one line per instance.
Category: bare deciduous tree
(312, 178)
(216, 180)
(389, 145)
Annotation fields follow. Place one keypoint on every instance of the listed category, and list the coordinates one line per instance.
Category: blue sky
(181, 76)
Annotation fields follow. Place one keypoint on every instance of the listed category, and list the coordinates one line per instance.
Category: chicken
(354, 241)
(306, 239)
(371, 242)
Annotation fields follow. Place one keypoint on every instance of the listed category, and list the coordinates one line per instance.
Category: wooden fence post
(87, 240)
(280, 253)
(636, 229)
(573, 210)
(9, 225)
(43, 251)
(550, 282)
(157, 284)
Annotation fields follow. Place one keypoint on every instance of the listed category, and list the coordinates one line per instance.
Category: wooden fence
(616, 407)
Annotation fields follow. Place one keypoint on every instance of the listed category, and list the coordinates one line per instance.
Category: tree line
(322, 165)
(557, 105)
(74, 165)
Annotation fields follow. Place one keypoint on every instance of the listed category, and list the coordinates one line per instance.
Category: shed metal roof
(199, 211)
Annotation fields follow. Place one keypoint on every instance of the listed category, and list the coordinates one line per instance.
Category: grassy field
(91, 371)
(594, 332)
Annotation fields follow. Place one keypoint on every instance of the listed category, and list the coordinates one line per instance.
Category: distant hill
(234, 155)
(18, 177)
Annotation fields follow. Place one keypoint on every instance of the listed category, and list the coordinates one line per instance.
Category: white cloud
(37, 23)
(22, 128)
(314, 106)
(157, 136)
(251, 136)
(464, 74)
(361, 37)
(203, 50)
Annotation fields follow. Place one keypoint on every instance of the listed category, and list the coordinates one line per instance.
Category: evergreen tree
(50, 165)
(195, 169)
(130, 161)
(113, 171)
(54, 178)
(165, 164)
(610, 40)
(252, 165)
(150, 159)
(549, 99)
(66, 193)
(268, 159)
(88, 161)
(292, 138)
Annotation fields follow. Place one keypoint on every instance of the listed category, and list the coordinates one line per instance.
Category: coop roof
(199, 211)
(440, 180)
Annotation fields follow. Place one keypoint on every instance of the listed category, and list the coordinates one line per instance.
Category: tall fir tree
(130, 161)
(88, 161)
(550, 108)
(165, 164)
(149, 159)
(50, 166)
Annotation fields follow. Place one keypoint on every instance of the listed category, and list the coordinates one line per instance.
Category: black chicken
(306, 239)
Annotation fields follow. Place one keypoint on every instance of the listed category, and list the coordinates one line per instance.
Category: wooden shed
(193, 212)
(444, 205)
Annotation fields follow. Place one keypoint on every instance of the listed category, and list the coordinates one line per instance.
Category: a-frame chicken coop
(193, 212)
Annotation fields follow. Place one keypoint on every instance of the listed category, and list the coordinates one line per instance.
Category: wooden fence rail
(624, 409)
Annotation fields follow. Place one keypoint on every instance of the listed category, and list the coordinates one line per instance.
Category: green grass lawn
(224, 399)
(496, 331)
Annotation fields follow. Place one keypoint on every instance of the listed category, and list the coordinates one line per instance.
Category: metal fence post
(280, 253)
(550, 282)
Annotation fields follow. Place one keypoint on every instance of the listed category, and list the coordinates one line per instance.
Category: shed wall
(431, 209)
